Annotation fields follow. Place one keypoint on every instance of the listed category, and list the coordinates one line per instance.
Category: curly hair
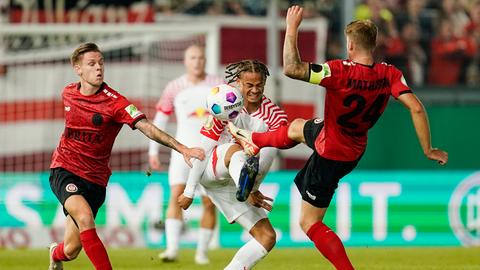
(234, 70)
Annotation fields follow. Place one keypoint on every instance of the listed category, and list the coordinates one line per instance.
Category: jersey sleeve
(398, 84)
(276, 118)
(213, 128)
(165, 104)
(126, 113)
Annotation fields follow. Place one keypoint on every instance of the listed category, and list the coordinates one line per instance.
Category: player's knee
(269, 238)
(84, 220)
(207, 204)
(71, 251)
(295, 129)
(306, 223)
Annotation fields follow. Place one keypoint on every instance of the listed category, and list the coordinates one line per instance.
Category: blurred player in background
(228, 168)
(94, 114)
(186, 96)
(358, 90)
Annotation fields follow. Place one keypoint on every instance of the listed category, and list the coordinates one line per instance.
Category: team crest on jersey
(71, 188)
(317, 121)
(132, 111)
(97, 119)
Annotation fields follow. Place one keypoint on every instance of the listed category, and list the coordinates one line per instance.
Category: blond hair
(363, 33)
(81, 50)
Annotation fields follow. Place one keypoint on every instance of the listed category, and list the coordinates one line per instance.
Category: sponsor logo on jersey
(199, 112)
(463, 210)
(310, 195)
(71, 188)
(133, 111)
(83, 136)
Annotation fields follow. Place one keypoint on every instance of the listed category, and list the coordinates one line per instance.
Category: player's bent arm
(422, 127)
(198, 167)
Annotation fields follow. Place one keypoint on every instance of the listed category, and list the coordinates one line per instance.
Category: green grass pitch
(279, 259)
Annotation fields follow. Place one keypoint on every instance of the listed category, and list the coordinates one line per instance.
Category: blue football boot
(248, 174)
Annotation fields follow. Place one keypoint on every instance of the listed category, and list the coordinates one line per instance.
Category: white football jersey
(268, 117)
(188, 102)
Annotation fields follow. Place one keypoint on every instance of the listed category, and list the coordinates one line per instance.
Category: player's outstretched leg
(248, 174)
(54, 265)
(244, 138)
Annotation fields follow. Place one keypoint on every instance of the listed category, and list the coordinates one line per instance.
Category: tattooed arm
(293, 66)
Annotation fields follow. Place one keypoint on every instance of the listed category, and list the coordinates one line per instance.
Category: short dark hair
(83, 49)
(363, 33)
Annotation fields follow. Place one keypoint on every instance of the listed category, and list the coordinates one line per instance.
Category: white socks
(247, 256)
(236, 163)
(173, 228)
(204, 236)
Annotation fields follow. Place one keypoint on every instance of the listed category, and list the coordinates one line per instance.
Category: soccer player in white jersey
(227, 165)
(185, 96)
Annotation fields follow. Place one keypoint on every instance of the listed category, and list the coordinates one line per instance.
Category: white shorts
(226, 202)
(178, 172)
(221, 189)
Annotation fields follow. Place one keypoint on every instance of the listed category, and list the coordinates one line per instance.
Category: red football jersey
(356, 98)
(91, 125)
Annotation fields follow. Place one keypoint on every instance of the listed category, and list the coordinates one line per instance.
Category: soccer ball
(224, 102)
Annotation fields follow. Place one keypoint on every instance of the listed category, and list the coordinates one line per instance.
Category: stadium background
(394, 198)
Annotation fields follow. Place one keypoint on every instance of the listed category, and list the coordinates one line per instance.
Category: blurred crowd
(434, 42)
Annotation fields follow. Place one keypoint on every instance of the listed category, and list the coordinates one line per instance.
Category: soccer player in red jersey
(94, 114)
(357, 94)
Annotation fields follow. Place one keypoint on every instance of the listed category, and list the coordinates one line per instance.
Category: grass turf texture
(279, 259)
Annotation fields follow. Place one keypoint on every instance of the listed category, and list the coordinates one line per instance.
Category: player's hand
(438, 155)
(194, 152)
(294, 16)
(184, 202)
(259, 200)
(154, 162)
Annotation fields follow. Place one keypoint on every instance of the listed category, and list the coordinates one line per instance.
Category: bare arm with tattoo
(152, 132)
(293, 66)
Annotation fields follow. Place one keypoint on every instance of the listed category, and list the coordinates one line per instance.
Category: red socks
(95, 250)
(328, 243)
(58, 254)
(277, 138)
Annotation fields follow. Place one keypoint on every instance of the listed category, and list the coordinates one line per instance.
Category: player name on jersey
(368, 85)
